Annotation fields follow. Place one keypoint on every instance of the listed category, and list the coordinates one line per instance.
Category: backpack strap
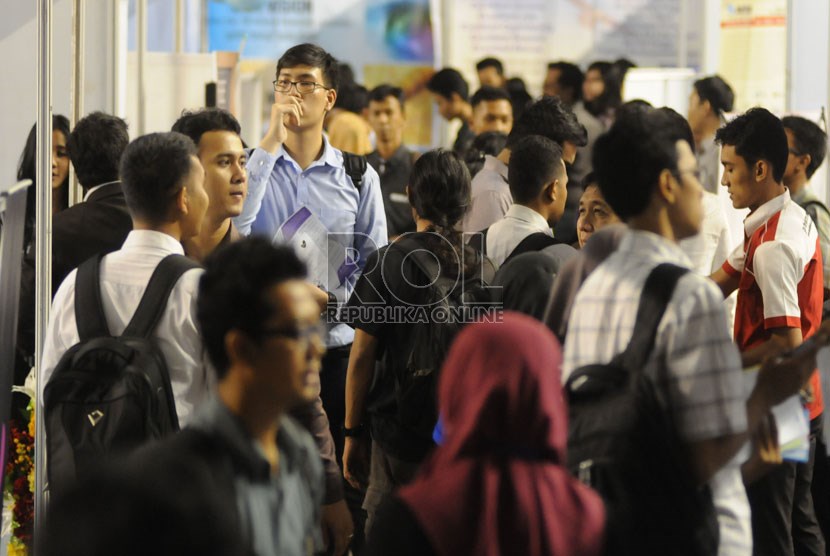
(154, 301)
(817, 203)
(355, 166)
(656, 295)
(89, 308)
(533, 242)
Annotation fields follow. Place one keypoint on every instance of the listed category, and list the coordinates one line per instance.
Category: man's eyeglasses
(303, 87)
(302, 334)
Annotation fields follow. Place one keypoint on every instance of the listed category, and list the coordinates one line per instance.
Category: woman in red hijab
(498, 484)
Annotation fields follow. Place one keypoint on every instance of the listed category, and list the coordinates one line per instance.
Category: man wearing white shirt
(538, 183)
(163, 183)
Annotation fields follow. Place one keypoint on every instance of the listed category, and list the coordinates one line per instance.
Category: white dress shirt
(124, 277)
(506, 234)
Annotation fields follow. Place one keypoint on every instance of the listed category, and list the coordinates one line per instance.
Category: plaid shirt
(704, 383)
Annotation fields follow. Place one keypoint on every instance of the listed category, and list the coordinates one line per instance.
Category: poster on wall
(580, 31)
(384, 41)
(753, 52)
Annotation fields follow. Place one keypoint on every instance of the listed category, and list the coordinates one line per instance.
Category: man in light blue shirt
(306, 172)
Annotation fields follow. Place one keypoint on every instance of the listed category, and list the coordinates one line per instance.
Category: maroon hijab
(498, 484)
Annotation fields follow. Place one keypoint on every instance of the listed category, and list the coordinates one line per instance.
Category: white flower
(29, 386)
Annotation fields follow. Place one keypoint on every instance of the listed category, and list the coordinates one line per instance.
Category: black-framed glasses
(303, 87)
(302, 334)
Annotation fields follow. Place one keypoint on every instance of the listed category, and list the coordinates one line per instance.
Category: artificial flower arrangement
(18, 498)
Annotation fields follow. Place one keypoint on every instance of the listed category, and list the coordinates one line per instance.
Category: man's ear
(239, 348)
(805, 160)
(331, 97)
(667, 186)
(182, 201)
(762, 170)
(549, 192)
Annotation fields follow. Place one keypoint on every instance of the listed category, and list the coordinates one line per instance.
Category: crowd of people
(520, 344)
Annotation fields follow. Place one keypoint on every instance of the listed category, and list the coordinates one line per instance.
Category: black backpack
(457, 298)
(623, 443)
(107, 394)
(533, 242)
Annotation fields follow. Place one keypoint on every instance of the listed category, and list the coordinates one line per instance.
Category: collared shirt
(357, 219)
(124, 277)
(519, 222)
(92, 190)
(394, 177)
(817, 210)
(781, 279)
(712, 245)
(708, 162)
(490, 196)
(704, 382)
(279, 512)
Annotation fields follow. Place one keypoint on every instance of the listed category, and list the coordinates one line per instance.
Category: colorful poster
(356, 31)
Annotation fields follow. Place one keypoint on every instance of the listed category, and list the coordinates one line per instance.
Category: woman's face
(593, 86)
(594, 214)
(60, 159)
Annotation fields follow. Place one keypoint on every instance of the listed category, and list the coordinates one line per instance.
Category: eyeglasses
(303, 87)
(301, 334)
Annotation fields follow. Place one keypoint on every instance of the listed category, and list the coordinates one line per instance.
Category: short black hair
(152, 171)
(629, 158)
(490, 62)
(448, 81)
(717, 91)
(570, 77)
(809, 139)
(680, 126)
(308, 54)
(535, 161)
(519, 97)
(196, 123)
(353, 98)
(489, 142)
(95, 147)
(489, 94)
(757, 134)
(381, 92)
(233, 291)
(548, 117)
